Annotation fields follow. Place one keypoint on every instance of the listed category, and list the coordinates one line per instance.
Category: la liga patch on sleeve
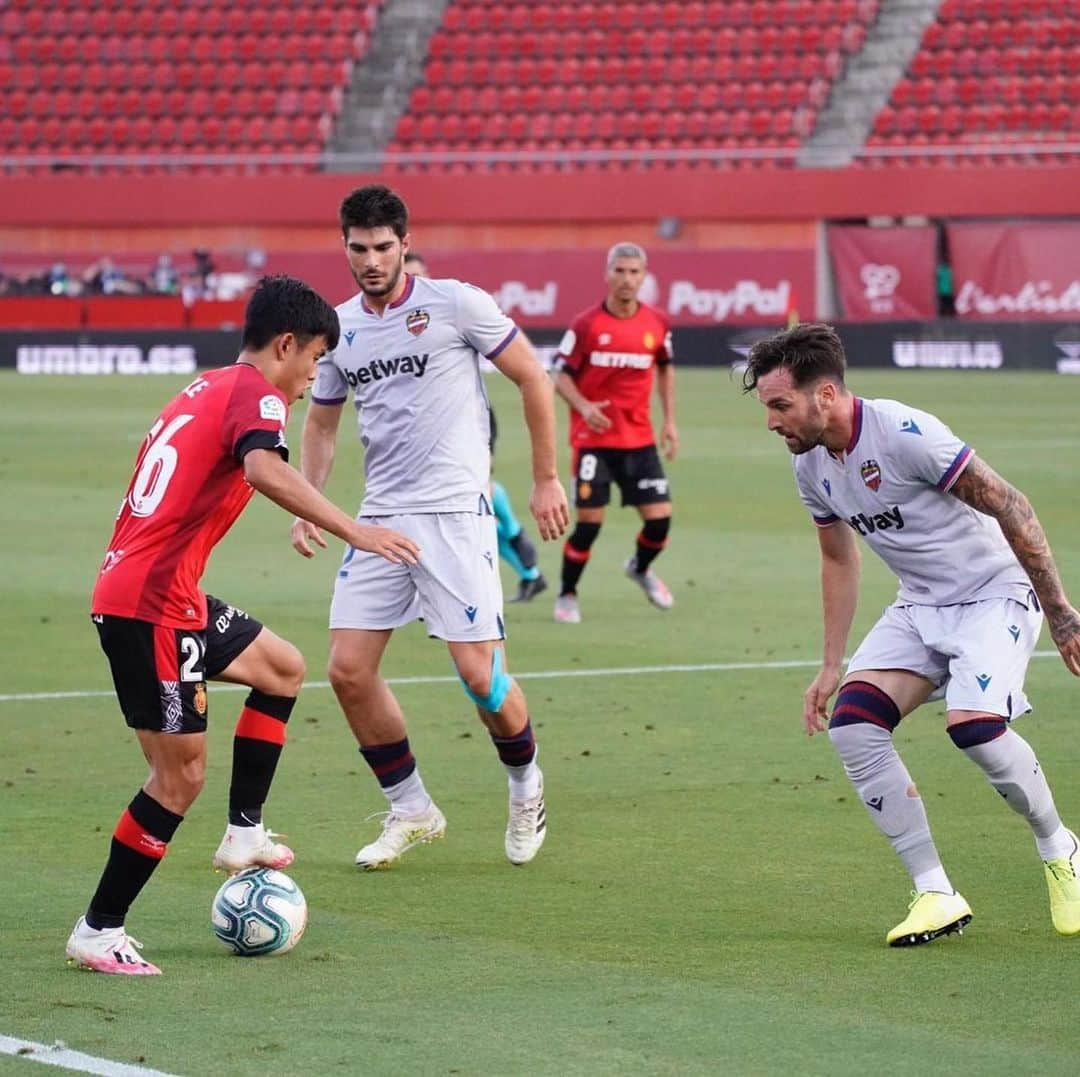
(270, 407)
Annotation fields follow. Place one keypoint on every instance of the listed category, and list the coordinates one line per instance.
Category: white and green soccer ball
(259, 912)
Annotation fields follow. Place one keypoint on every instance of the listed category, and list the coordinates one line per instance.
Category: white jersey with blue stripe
(415, 376)
(891, 484)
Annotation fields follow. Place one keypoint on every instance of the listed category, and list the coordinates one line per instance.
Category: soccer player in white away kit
(410, 351)
(976, 574)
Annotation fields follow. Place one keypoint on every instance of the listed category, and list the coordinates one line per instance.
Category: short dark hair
(811, 351)
(374, 206)
(282, 304)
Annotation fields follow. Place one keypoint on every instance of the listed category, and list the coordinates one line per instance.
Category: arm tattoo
(986, 491)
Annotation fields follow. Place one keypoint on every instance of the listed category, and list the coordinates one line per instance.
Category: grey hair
(626, 250)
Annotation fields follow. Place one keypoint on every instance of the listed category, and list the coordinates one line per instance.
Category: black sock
(257, 744)
(576, 556)
(652, 538)
(139, 842)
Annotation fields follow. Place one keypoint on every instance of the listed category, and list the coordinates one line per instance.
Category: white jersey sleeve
(481, 322)
(806, 482)
(330, 385)
(926, 450)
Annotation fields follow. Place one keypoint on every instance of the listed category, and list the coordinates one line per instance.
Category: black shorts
(638, 473)
(160, 674)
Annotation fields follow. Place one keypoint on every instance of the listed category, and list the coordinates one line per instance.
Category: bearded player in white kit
(976, 576)
(410, 352)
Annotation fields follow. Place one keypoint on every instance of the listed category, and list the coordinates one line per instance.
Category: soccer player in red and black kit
(607, 363)
(219, 440)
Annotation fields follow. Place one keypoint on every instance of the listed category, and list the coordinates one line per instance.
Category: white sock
(1061, 843)
(935, 879)
(1012, 769)
(891, 799)
(408, 798)
(524, 781)
(84, 930)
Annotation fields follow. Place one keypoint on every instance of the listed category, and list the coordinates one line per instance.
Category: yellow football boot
(931, 915)
(1064, 887)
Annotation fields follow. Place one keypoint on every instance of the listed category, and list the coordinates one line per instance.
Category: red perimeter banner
(546, 289)
(1016, 269)
(885, 273)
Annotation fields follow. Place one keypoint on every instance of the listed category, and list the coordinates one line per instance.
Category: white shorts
(975, 654)
(455, 588)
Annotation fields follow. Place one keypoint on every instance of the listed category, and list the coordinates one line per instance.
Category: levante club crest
(871, 474)
(417, 321)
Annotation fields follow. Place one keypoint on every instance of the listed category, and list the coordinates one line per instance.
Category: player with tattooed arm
(976, 578)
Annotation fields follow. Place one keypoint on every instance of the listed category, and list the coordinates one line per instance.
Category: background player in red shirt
(219, 440)
(605, 372)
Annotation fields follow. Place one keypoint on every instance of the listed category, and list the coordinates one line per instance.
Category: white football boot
(399, 835)
(656, 591)
(567, 611)
(111, 950)
(250, 847)
(526, 827)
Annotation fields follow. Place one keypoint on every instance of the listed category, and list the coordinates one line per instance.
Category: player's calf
(860, 729)
(1012, 769)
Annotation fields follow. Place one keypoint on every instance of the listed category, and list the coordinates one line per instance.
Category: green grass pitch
(711, 898)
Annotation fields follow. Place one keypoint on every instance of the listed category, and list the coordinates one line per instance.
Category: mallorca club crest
(871, 474)
(416, 321)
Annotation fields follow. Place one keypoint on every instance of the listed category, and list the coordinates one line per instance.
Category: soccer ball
(260, 911)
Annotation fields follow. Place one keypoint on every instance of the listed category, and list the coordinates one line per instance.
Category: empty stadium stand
(167, 77)
(993, 74)
(534, 85)
(585, 79)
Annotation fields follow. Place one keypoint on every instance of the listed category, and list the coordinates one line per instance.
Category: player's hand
(303, 534)
(816, 700)
(669, 440)
(1065, 631)
(549, 508)
(397, 549)
(593, 414)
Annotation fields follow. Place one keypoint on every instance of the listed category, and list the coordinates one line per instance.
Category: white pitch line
(538, 675)
(58, 1054)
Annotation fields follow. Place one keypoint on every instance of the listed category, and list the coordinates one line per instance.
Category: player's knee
(977, 731)
(486, 685)
(861, 728)
(861, 702)
(291, 671)
(193, 775)
(348, 678)
(655, 532)
(179, 784)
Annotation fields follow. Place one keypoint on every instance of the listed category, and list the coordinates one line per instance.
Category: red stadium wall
(507, 219)
(482, 201)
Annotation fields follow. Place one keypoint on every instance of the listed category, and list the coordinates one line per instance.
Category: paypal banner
(884, 274)
(546, 289)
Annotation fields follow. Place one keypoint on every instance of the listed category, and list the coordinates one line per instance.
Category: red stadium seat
(659, 70)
